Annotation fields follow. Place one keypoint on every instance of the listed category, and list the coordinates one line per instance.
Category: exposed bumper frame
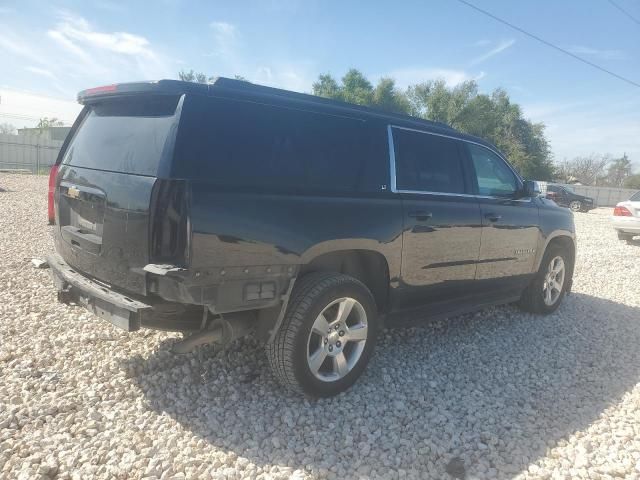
(73, 287)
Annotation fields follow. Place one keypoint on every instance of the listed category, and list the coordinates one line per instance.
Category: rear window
(124, 135)
(245, 144)
(427, 163)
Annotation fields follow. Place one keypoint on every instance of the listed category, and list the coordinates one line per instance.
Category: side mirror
(530, 188)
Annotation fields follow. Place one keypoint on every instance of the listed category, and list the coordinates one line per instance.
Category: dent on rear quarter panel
(245, 229)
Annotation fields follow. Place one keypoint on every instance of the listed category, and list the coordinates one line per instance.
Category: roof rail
(246, 86)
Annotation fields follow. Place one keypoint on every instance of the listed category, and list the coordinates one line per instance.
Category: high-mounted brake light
(53, 174)
(103, 89)
(622, 212)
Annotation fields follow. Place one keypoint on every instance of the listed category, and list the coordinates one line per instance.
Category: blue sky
(50, 50)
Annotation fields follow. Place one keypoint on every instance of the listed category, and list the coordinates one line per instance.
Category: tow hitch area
(220, 331)
(73, 287)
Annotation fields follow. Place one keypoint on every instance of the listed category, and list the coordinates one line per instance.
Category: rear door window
(427, 163)
(245, 144)
(127, 136)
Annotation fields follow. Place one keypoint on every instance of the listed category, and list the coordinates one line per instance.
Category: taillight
(53, 174)
(170, 225)
(622, 212)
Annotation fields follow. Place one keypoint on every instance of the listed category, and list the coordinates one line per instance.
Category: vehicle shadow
(495, 389)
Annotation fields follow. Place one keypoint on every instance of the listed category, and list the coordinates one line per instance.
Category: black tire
(532, 299)
(576, 206)
(288, 353)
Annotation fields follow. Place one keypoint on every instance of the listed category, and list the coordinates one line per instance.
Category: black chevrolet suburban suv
(231, 208)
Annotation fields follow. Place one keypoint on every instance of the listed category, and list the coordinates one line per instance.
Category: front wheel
(546, 291)
(327, 335)
(576, 206)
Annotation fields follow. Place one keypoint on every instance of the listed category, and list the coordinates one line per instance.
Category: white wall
(31, 153)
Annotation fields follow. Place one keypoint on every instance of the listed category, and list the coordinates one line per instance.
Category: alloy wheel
(553, 281)
(337, 339)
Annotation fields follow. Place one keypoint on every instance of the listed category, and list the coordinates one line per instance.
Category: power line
(624, 11)
(20, 116)
(549, 44)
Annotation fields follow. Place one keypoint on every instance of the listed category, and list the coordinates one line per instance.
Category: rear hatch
(107, 182)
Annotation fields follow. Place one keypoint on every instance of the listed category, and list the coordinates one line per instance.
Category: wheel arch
(368, 266)
(566, 240)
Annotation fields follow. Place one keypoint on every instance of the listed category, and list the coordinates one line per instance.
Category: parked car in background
(228, 208)
(626, 217)
(563, 196)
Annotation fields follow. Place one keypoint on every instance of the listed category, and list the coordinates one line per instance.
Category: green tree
(191, 76)
(632, 181)
(355, 88)
(199, 77)
(587, 170)
(45, 122)
(618, 171)
(493, 117)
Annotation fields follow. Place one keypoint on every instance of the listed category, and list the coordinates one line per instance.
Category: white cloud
(73, 54)
(10, 44)
(501, 47)
(597, 53)
(41, 71)
(74, 30)
(232, 59)
(581, 128)
(226, 40)
(410, 76)
(296, 77)
(23, 109)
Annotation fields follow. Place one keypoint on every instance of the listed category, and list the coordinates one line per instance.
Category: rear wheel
(576, 206)
(546, 291)
(327, 335)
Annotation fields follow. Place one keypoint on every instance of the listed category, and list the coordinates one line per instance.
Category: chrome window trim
(392, 167)
(392, 159)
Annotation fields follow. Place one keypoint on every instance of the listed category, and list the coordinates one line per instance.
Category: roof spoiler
(159, 87)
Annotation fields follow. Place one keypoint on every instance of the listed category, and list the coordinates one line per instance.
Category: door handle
(492, 217)
(420, 215)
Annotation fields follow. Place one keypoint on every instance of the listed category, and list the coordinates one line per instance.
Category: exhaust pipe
(222, 331)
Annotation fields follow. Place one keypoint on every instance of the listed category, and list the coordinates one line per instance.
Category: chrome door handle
(493, 217)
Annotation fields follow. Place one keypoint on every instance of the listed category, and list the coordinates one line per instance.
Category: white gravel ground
(498, 394)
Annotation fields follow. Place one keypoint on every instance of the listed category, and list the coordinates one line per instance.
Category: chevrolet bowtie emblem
(73, 192)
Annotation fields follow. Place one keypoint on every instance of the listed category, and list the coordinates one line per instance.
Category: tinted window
(428, 163)
(123, 136)
(635, 197)
(494, 176)
(235, 143)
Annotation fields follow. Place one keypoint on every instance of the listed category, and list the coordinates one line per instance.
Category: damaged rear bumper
(122, 310)
(73, 287)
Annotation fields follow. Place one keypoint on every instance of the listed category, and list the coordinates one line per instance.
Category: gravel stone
(508, 394)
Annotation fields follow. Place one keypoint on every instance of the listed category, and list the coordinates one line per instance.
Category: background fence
(28, 153)
(602, 196)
